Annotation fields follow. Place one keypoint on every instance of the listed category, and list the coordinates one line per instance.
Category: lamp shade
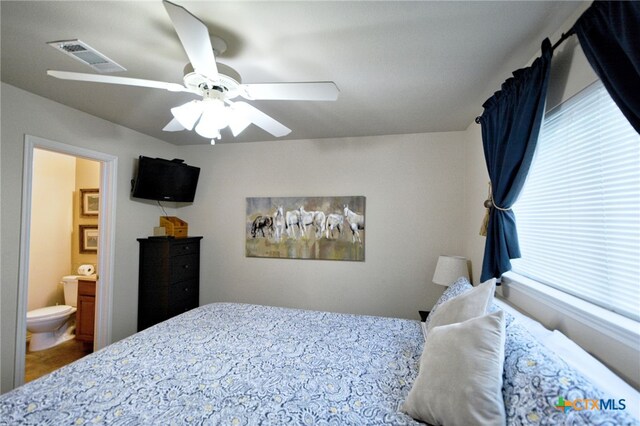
(449, 269)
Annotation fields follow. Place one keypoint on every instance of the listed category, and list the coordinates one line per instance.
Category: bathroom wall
(51, 227)
(87, 177)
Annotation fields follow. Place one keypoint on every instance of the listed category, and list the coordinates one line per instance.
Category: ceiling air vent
(87, 55)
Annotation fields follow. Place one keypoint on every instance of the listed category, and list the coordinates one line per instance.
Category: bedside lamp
(449, 269)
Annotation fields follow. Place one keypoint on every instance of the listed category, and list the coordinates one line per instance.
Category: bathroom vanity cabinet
(85, 315)
(169, 278)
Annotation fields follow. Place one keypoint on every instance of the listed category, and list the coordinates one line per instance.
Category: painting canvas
(328, 228)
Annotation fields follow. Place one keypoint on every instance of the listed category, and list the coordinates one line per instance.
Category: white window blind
(578, 215)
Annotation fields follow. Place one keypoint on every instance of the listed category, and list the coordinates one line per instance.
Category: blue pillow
(462, 285)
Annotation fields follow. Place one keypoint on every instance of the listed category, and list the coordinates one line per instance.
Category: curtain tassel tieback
(488, 205)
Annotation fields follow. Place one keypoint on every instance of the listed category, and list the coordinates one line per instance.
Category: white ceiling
(401, 67)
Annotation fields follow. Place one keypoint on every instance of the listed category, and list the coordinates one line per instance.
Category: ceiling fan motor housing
(228, 81)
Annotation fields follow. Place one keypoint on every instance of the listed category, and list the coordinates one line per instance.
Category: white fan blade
(195, 40)
(187, 114)
(315, 91)
(110, 79)
(261, 119)
(173, 126)
(237, 121)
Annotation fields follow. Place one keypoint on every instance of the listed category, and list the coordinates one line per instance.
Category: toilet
(53, 325)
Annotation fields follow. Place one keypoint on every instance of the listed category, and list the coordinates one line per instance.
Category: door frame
(106, 249)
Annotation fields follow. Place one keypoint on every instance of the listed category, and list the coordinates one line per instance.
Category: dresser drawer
(183, 290)
(184, 267)
(179, 249)
(183, 305)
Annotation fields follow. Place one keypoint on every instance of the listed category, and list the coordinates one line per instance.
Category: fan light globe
(187, 114)
(215, 116)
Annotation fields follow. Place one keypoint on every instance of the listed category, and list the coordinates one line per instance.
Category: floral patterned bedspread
(235, 364)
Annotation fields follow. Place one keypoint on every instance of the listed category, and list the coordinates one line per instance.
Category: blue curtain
(609, 34)
(510, 126)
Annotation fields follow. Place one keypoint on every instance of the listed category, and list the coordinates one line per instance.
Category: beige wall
(413, 186)
(51, 227)
(133, 218)
(570, 73)
(87, 177)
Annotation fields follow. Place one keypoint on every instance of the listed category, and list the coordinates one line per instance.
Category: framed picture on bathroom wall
(88, 238)
(89, 202)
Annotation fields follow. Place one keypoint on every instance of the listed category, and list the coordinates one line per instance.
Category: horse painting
(292, 218)
(306, 227)
(355, 222)
(261, 223)
(278, 223)
(334, 221)
(313, 218)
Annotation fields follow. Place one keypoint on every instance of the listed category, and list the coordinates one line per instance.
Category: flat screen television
(165, 180)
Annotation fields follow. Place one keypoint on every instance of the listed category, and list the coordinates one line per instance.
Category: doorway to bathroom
(67, 230)
(64, 225)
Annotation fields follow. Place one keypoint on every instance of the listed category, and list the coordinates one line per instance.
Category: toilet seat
(49, 312)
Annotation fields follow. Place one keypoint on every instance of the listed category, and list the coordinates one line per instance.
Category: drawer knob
(185, 266)
(187, 247)
(186, 289)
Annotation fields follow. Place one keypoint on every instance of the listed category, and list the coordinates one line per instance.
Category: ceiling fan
(216, 84)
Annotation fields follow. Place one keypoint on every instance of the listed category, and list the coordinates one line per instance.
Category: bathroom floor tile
(39, 363)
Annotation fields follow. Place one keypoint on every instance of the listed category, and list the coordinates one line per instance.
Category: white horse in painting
(356, 222)
(292, 218)
(334, 221)
(278, 223)
(316, 219)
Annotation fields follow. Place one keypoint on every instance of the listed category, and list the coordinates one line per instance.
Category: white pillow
(460, 378)
(462, 285)
(470, 304)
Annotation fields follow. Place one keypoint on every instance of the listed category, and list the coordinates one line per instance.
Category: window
(578, 215)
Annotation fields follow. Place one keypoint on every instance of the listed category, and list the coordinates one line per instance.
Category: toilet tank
(70, 285)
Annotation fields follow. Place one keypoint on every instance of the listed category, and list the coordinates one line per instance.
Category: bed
(235, 364)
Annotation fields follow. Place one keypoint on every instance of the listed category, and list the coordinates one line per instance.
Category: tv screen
(165, 180)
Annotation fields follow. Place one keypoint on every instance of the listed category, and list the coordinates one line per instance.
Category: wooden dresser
(169, 278)
(85, 315)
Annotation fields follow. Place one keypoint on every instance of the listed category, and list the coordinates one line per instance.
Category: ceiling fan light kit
(217, 84)
(187, 114)
(215, 116)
